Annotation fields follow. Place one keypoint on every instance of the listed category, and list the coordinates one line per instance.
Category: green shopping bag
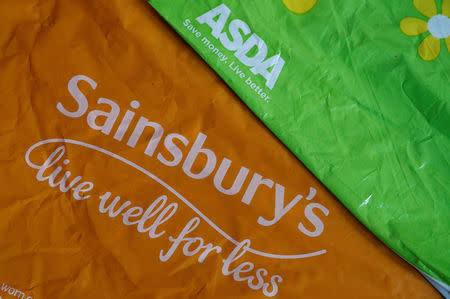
(359, 91)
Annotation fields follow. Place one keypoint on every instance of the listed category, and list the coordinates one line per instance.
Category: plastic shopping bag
(359, 91)
(130, 170)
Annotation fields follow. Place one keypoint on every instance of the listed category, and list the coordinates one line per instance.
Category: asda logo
(250, 49)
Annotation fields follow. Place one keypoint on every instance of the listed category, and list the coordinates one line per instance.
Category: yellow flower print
(299, 6)
(438, 25)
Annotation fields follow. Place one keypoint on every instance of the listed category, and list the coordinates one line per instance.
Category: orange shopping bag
(130, 170)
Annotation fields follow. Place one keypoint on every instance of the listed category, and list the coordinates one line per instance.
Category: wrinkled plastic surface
(362, 100)
(55, 246)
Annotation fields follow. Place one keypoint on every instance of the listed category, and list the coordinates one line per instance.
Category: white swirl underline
(172, 190)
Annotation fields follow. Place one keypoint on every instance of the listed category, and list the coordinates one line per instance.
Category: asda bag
(358, 91)
(130, 170)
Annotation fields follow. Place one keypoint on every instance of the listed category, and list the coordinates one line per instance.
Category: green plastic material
(362, 99)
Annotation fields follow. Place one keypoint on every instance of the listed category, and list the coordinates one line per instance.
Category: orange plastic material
(76, 78)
